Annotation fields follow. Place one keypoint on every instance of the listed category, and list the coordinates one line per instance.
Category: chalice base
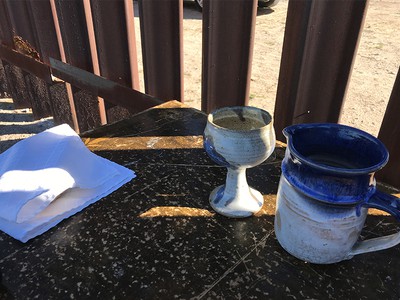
(239, 205)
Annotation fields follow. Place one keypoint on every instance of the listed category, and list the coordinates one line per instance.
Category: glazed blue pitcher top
(333, 163)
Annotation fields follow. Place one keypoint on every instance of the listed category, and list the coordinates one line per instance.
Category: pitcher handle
(391, 205)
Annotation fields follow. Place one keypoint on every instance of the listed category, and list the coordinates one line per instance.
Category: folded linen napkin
(49, 177)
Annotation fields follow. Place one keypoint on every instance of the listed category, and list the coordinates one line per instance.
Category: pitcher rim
(332, 169)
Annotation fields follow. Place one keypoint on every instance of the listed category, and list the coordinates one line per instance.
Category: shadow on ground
(17, 124)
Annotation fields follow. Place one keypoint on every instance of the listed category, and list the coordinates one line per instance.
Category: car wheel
(199, 4)
(267, 3)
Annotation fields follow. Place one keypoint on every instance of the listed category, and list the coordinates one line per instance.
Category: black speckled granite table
(157, 237)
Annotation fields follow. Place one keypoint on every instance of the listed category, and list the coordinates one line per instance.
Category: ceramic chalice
(238, 138)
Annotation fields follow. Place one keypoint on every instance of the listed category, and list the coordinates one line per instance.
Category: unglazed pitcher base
(241, 205)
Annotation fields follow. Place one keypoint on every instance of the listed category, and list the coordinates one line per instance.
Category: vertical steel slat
(389, 134)
(22, 22)
(6, 35)
(45, 31)
(69, 111)
(297, 18)
(74, 34)
(161, 32)
(15, 79)
(41, 12)
(23, 29)
(71, 19)
(93, 52)
(3, 82)
(317, 60)
(6, 39)
(228, 38)
(26, 41)
(130, 28)
(112, 44)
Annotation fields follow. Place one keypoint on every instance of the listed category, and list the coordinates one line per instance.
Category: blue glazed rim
(291, 130)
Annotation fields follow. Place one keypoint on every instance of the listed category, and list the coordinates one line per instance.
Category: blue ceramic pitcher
(326, 187)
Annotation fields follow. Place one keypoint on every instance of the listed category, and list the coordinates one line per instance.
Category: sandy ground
(375, 69)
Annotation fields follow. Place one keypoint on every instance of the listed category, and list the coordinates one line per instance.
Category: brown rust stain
(24, 47)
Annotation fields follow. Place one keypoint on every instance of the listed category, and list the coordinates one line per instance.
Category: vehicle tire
(267, 3)
(199, 4)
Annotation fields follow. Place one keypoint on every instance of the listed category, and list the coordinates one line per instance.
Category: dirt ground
(375, 68)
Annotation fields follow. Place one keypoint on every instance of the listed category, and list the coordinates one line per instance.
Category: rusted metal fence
(76, 60)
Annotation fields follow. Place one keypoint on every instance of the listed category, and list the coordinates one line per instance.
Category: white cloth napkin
(49, 177)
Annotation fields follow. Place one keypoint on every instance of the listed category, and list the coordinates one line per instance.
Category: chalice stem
(236, 182)
(238, 195)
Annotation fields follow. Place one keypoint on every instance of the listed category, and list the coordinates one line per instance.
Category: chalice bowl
(238, 138)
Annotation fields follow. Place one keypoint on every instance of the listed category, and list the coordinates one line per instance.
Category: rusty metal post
(70, 106)
(4, 36)
(3, 82)
(47, 39)
(130, 30)
(228, 38)
(161, 28)
(26, 41)
(321, 39)
(389, 134)
(94, 56)
(112, 41)
(76, 51)
(297, 18)
(15, 80)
